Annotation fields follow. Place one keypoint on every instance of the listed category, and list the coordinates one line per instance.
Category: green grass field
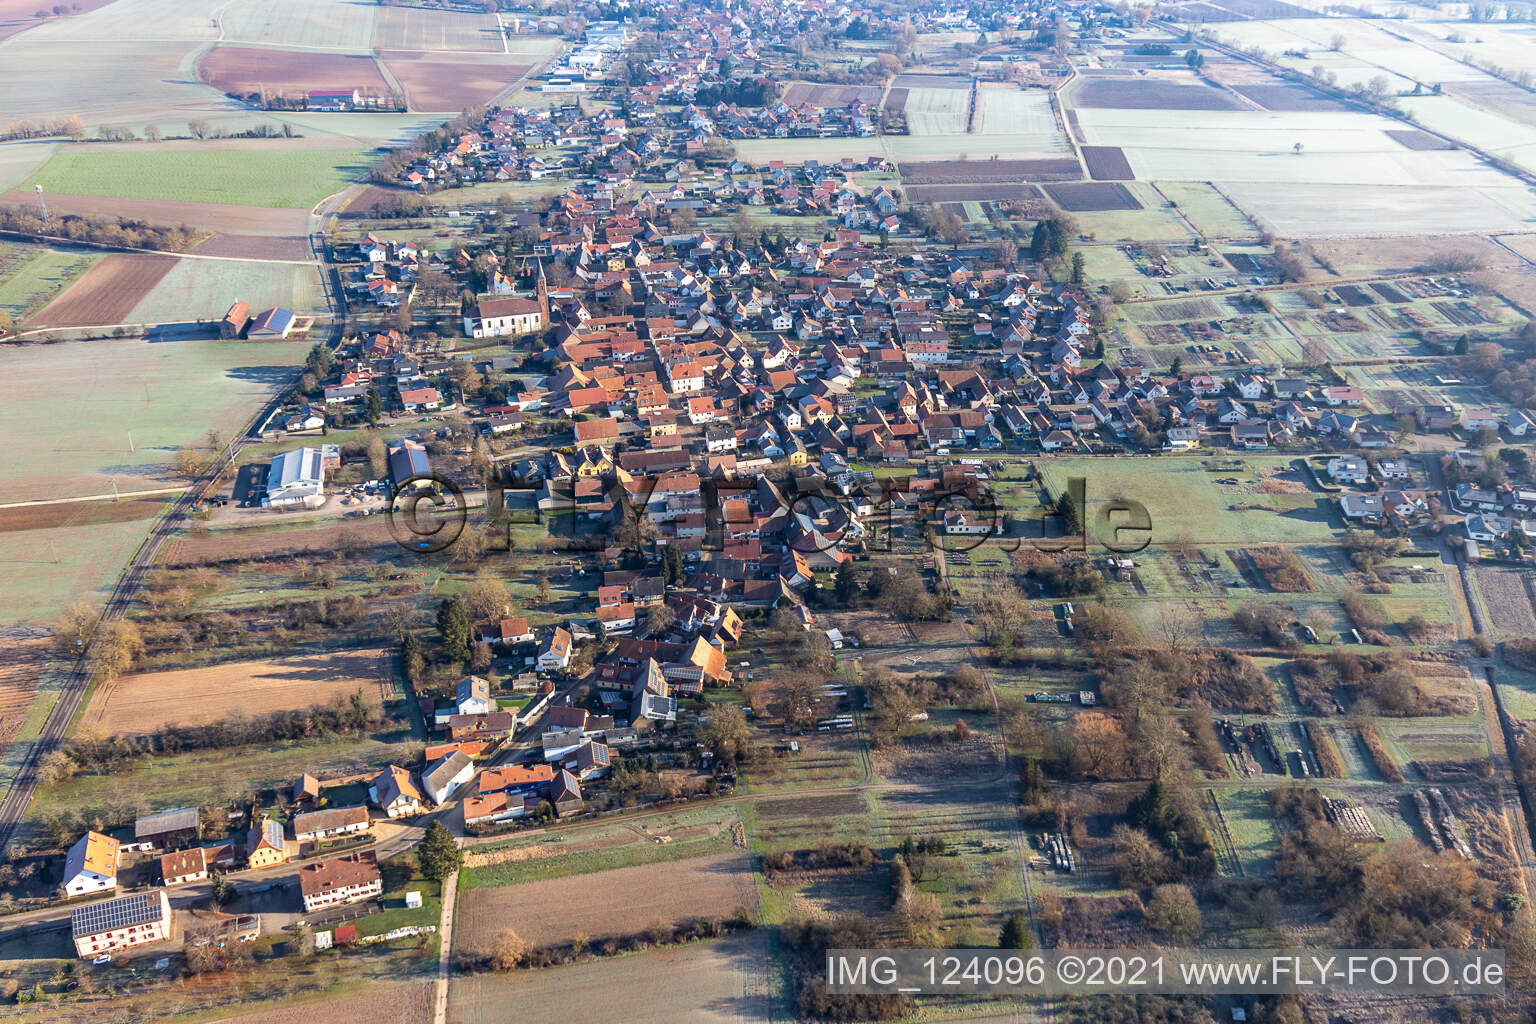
(31, 275)
(257, 177)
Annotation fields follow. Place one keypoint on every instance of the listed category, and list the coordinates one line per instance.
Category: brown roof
(324, 821)
(183, 862)
(507, 307)
(340, 873)
(239, 314)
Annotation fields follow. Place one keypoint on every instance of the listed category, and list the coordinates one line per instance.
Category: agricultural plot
(1331, 210)
(1077, 197)
(108, 293)
(23, 655)
(415, 28)
(249, 220)
(68, 555)
(1208, 210)
(1107, 163)
(31, 275)
(607, 904)
(148, 702)
(720, 982)
(1018, 119)
(296, 177)
(325, 24)
(203, 289)
(165, 395)
(241, 70)
(20, 160)
(1186, 504)
(1146, 93)
(823, 95)
(937, 111)
(451, 86)
(399, 1004)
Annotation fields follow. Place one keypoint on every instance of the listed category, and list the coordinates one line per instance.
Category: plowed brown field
(148, 701)
(107, 293)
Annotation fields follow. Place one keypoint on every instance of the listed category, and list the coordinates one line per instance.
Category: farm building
(335, 821)
(184, 866)
(120, 923)
(168, 830)
(296, 480)
(332, 99)
(235, 321)
(348, 879)
(408, 461)
(91, 865)
(271, 325)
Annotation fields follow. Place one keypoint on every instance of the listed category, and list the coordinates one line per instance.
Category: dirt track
(107, 293)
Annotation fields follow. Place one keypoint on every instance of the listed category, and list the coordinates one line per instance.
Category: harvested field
(1107, 163)
(226, 545)
(415, 28)
(1085, 196)
(722, 982)
(1507, 599)
(624, 901)
(19, 15)
(23, 653)
(404, 1004)
(249, 220)
(1148, 94)
(240, 70)
(107, 293)
(820, 95)
(896, 100)
(1288, 97)
(1417, 140)
(146, 702)
(959, 172)
(931, 82)
(445, 86)
(261, 247)
(972, 193)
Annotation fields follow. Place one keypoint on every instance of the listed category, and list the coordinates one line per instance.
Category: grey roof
(177, 819)
(445, 769)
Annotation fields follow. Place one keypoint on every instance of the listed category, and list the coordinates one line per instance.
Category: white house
(120, 923)
(1347, 469)
(331, 883)
(296, 480)
(491, 318)
(443, 778)
(91, 865)
(395, 793)
(555, 651)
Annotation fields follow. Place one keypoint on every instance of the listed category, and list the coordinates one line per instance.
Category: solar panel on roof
(113, 914)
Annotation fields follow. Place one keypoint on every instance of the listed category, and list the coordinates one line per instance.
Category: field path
(114, 496)
(445, 948)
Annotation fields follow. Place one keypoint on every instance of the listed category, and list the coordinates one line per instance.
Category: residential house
(127, 921)
(184, 866)
(443, 779)
(264, 846)
(91, 865)
(336, 821)
(395, 793)
(341, 880)
(555, 651)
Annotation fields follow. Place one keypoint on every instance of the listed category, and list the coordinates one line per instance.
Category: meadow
(259, 177)
(31, 275)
